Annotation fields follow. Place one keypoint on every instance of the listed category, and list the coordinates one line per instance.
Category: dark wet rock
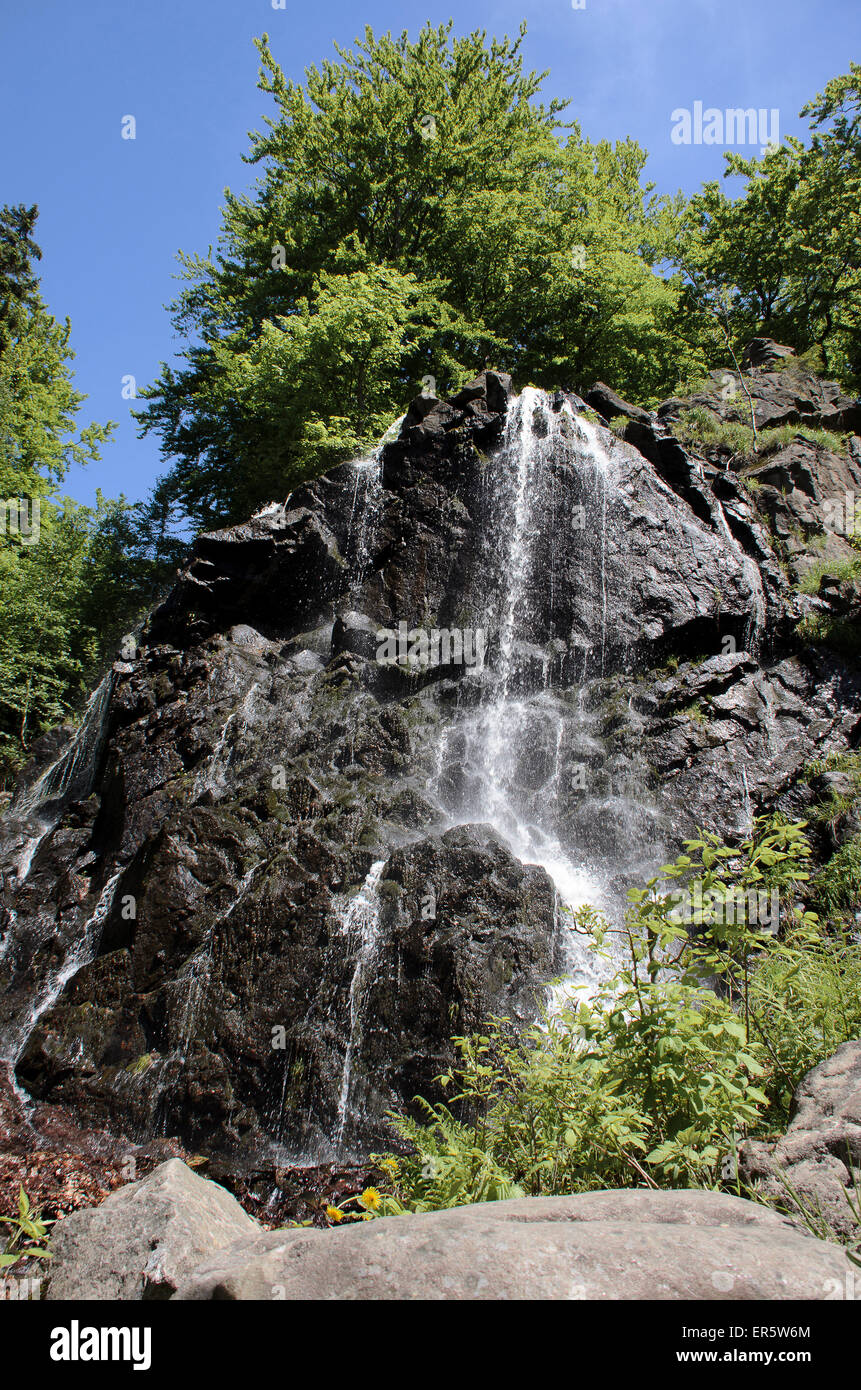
(608, 404)
(186, 935)
(467, 932)
(354, 632)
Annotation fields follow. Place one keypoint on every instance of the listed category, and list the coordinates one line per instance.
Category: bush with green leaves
(698, 1037)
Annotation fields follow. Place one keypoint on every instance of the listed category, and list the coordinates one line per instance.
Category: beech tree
(419, 211)
(787, 251)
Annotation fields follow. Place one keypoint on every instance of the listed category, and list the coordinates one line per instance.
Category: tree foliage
(785, 255)
(70, 575)
(419, 211)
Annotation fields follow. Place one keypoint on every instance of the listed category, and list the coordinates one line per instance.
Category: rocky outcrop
(175, 1235)
(275, 873)
(764, 352)
(819, 1158)
(792, 395)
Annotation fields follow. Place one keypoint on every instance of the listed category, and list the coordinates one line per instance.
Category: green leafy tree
(418, 212)
(70, 576)
(785, 255)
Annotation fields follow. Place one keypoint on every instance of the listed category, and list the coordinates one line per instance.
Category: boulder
(619, 1245)
(145, 1238)
(764, 352)
(820, 1146)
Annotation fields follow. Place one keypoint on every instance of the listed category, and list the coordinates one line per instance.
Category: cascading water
(213, 777)
(14, 1038)
(70, 775)
(72, 772)
(366, 505)
(360, 924)
(523, 758)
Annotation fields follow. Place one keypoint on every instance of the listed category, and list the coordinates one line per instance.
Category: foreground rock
(820, 1147)
(603, 1245)
(143, 1239)
(177, 1235)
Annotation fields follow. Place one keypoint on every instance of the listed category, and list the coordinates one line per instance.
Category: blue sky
(113, 212)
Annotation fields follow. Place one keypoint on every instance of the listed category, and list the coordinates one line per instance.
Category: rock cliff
(340, 795)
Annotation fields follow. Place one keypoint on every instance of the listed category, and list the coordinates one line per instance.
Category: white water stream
(360, 923)
(490, 766)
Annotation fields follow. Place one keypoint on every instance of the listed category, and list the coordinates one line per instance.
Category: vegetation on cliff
(697, 1041)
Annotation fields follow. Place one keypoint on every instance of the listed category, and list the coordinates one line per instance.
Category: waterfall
(72, 774)
(213, 777)
(519, 760)
(15, 1038)
(368, 495)
(360, 919)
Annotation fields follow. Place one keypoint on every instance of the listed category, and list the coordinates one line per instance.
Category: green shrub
(26, 1235)
(652, 1081)
(841, 634)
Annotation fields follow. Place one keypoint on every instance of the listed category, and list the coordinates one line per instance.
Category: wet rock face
(294, 868)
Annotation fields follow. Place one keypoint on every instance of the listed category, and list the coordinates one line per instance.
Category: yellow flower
(334, 1214)
(370, 1199)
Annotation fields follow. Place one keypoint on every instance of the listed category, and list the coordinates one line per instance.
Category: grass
(842, 760)
(841, 634)
(842, 570)
(809, 1211)
(696, 712)
(701, 425)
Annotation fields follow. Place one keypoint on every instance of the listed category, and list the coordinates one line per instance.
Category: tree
(18, 284)
(787, 251)
(418, 211)
(70, 576)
